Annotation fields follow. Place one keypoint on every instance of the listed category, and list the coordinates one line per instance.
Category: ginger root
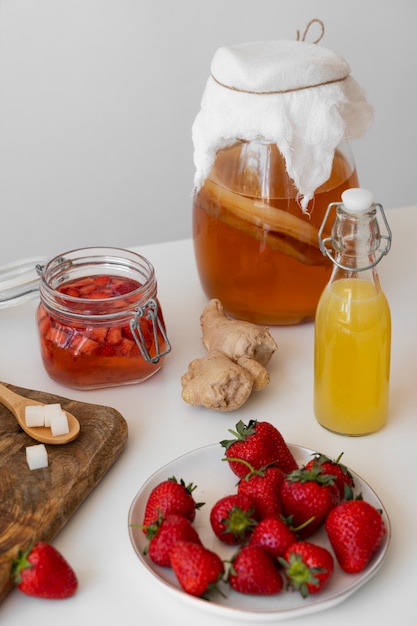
(235, 363)
(216, 382)
(235, 338)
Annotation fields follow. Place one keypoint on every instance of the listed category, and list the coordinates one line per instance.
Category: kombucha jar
(271, 151)
(256, 251)
(99, 319)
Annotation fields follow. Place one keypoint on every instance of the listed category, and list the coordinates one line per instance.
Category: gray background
(97, 99)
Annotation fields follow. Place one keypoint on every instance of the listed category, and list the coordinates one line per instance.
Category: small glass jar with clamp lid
(353, 322)
(99, 319)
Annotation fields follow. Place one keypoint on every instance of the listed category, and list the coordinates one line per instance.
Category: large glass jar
(256, 251)
(271, 151)
(99, 319)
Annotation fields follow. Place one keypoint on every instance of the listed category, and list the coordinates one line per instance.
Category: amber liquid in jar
(256, 251)
(83, 353)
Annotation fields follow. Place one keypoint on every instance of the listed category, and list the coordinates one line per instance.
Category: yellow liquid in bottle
(352, 357)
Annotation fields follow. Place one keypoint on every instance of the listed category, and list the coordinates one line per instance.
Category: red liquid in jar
(86, 354)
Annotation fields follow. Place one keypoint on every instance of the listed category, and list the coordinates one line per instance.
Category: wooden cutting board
(35, 505)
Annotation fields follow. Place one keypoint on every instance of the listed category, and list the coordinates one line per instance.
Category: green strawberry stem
(241, 433)
(296, 529)
(239, 522)
(189, 489)
(299, 574)
(20, 563)
(315, 474)
(214, 588)
(252, 470)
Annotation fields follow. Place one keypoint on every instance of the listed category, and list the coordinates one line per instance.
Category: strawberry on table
(307, 567)
(273, 535)
(170, 496)
(164, 533)
(197, 569)
(342, 476)
(307, 496)
(233, 518)
(260, 444)
(254, 572)
(42, 571)
(355, 529)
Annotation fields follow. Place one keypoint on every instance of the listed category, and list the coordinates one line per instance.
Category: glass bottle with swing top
(353, 324)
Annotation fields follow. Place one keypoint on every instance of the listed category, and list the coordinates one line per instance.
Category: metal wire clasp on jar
(99, 318)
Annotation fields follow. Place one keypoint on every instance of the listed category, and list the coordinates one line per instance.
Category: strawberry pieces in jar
(87, 340)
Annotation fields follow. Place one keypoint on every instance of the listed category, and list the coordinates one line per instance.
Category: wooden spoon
(16, 404)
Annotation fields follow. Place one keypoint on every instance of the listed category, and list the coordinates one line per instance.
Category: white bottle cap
(357, 200)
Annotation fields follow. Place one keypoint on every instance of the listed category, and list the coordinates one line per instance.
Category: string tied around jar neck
(311, 104)
(290, 89)
(315, 20)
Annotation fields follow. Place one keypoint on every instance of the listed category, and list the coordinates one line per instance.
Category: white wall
(97, 99)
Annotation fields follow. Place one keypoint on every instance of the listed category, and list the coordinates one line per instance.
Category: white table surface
(115, 588)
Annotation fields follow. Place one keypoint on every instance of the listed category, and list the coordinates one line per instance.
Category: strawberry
(264, 487)
(355, 529)
(260, 444)
(107, 350)
(197, 569)
(125, 347)
(233, 518)
(342, 476)
(254, 572)
(98, 333)
(170, 496)
(114, 335)
(164, 533)
(101, 280)
(307, 567)
(103, 294)
(59, 335)
(273, 535)
(307, 497)
(42, 571)
(124, 286)
(286, 460)
(127, 332)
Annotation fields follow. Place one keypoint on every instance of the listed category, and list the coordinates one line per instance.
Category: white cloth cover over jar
(297, 95)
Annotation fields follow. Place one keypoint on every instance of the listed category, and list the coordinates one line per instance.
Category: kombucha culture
(256, 251)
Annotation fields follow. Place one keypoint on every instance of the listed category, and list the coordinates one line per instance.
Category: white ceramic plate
(203, 467)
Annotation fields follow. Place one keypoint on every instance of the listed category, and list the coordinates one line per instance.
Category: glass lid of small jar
(19, 281)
